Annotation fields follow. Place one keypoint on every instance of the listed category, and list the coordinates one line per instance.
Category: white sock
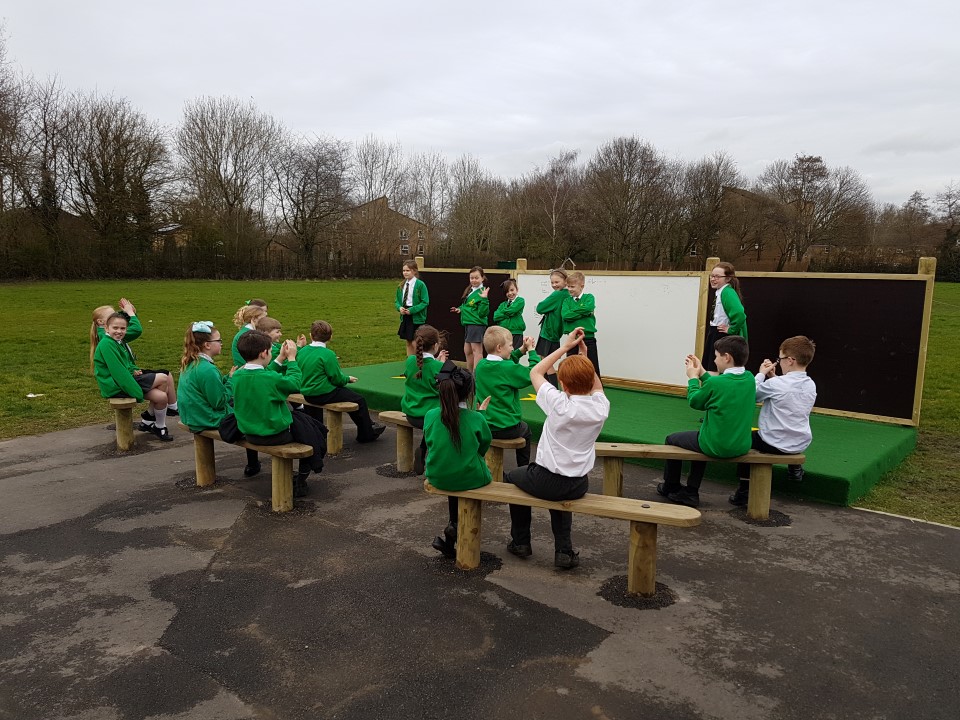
(172, 405)
(161, 415)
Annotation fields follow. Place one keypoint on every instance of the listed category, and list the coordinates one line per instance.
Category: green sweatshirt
(475, 310)
(452, 469)
(203, 395)
(579, 313)
(113, 368)
(421, 299)
(510, 316)
(320, 370)
(260, 399)
(551, 324)
(238, 361)
(734, 310)
(420, 394)
(729, 401)
(134, 330)
(502, 380)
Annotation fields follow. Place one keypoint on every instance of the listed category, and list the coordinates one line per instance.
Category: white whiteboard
(646, 324)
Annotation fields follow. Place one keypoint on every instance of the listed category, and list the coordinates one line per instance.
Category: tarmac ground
(126, 592)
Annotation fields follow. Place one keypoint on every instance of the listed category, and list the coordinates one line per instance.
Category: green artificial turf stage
(846, 459)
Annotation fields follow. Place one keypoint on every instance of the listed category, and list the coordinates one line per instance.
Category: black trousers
(688, 440)
(520, 430)
(758, 443)
(592, 354)
(360, 417)
(304, 429)
(542, 483)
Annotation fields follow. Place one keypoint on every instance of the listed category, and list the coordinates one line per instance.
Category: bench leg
(282, 478)
(642, 572)
(468, 533)
(334, 422)
(494, 458)
(123, 418)
(758, 502)
(613, 476)
(206, 460)
(404, 448)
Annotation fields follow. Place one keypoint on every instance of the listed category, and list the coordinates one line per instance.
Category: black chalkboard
(446, 290)
(867, 333)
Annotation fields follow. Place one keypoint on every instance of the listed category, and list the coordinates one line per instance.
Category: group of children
(252, 400)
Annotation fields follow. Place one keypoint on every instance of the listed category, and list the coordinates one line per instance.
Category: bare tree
(428, 179)
(555, 190)
(312, 191)
(378, 171)
(477, 212)
(704, 197)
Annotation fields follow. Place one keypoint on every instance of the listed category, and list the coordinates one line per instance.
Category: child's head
(426, 338)
(558, 279)
(724, 274)
(731, 351)
(321, 331)
(201, 338)
(248, 315)
(410, 269)
(251, 346)
(576, 374)
(510, 288)
(798, 348)
(498, 341)
(477, 276)
(270, 326)
(575, 282)
(116, 326)
(257, 302)
(100, 316)
(455, 385)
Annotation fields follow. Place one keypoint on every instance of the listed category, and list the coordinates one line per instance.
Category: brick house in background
(375, 234)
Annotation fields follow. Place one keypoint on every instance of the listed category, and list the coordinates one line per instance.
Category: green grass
(47, 347)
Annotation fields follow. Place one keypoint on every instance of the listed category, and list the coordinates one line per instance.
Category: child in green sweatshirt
(261, 407)
(474, 312)
(551, 324)
(501, 377)
(729, 402)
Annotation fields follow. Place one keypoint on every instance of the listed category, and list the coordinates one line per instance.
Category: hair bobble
(202, 326)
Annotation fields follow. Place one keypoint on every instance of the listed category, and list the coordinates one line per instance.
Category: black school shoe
(251, 470)
(162, 433)
(442, 545)
(662, 490)
(376, 431)
(172, 411)
(739, 498)
(521, 551)
(419, 460)
(685, 497)
(795, 475)
(300, 487)
(566, 560)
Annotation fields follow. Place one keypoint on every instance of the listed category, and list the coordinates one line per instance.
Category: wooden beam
(642, 563)
(282, 484)
(758, 502)
(469, 520)
(206, 460)
(613, 476)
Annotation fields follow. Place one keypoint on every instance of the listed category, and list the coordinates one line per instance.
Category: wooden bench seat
(494, 456)
(332, 418)
(643, 516)
(282, 470)
(761, 470)
(123, 419)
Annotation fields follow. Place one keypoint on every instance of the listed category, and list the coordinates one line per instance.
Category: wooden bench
(643, 516)
(494, 456)
(282, 470)
(332, 418)
(761, 470)
(123, 419)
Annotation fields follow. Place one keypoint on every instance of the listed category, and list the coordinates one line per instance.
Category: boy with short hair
(728, 399)
(579, 310)
(323, 381)
(500, 377)
(566, 451)
(785, 413)
(261, 408)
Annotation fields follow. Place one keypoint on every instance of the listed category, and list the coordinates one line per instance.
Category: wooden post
(928, 268)
(758, 502)
(334, 422)
(613, 476)
(404, 448)
(282, 477)
(521, 265)
(703, 303)
(642, 563)
(123, 418)
(206, 460)
(468, 533)
(494, 458)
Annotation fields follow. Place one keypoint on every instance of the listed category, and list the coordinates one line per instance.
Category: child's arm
(505, 311)
(421, 298)
(551, 302)
(398, 302)
(539, 371)
(119, 371)
(484, 436)
(331, 368)
(734, 310)
(574, 310)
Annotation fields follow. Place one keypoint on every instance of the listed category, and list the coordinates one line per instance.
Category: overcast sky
(873, 85)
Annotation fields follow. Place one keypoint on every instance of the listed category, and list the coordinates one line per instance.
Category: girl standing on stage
(411, 302)
(474, 312)
(729, 317)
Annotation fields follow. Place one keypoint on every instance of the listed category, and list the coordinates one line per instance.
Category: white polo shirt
(785, 415)
(573, 423)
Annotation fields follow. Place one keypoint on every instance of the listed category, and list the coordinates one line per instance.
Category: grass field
(48, 349)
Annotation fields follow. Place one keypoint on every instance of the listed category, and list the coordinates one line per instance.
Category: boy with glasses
(785, 415)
